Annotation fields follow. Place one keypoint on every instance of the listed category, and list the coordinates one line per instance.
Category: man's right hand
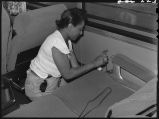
(101, 59)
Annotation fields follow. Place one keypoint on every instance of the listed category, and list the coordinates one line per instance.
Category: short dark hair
(73, 15)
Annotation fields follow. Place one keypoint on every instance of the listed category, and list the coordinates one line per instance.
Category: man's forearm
(78, 71)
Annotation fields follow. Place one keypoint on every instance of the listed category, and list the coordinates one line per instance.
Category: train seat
(30, 30)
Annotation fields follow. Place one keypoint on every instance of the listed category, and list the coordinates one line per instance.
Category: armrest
(124, 62)
(13, 80)
(143, 74)
(8, 100)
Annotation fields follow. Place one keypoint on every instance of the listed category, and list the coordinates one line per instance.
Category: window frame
(99, 23)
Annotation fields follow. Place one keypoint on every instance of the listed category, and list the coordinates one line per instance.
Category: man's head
(73, 20)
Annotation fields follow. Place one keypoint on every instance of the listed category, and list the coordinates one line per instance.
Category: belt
(49, 76)
(43, 85)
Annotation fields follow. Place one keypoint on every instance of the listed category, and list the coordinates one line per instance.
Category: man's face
(76, 31)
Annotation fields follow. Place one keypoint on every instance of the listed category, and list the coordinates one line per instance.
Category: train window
(134, 20)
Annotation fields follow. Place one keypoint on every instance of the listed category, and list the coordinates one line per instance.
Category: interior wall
(92, 44)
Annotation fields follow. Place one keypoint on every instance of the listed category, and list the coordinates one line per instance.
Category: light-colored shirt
(43, 64)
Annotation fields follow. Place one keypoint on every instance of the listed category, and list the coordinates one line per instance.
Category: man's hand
(101, 59)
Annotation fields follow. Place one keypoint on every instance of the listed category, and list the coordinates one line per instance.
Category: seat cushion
(48, 106)
(70, 100)
(77, 93)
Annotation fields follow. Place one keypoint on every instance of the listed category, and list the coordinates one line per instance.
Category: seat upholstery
(69, 100)
(137, 102)
(31, 29)
(79, 92)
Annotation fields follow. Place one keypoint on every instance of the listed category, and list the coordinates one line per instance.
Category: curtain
(14, 8)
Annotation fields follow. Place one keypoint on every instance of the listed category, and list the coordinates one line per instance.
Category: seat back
(6, 37)
(31, 28)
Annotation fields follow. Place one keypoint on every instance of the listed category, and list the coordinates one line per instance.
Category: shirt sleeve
(61, 46)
